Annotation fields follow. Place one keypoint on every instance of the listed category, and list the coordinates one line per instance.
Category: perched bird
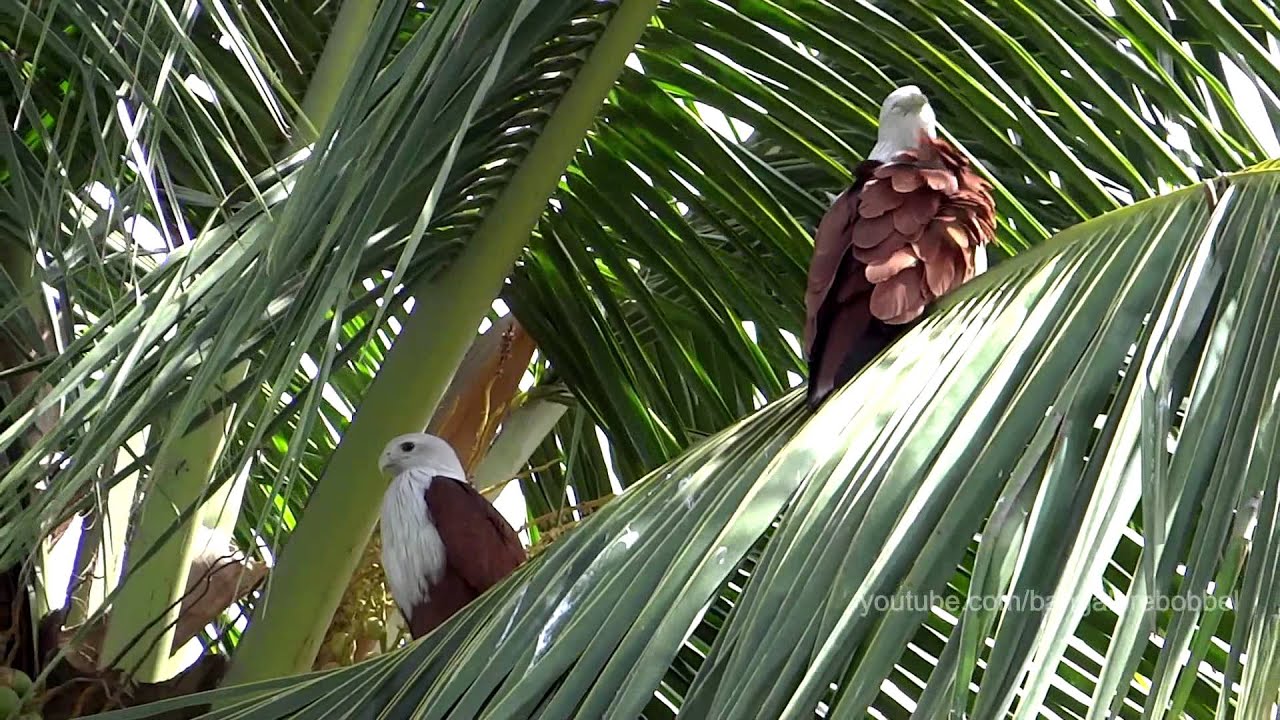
(443, 544)
(911, 228)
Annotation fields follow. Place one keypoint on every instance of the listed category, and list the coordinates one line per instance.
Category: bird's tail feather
(855, 340)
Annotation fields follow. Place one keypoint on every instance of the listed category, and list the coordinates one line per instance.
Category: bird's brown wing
(448, 595)
(902, 236)
(835, 282)
(480, 545)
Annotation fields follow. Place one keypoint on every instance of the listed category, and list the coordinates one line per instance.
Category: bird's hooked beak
(384, 461)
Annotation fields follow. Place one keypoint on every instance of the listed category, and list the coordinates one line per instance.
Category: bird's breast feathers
(413, 555)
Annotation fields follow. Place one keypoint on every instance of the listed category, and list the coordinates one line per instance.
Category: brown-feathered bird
(443, 544)
(910, 229)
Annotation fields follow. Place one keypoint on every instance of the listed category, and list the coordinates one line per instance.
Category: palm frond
(972, 486)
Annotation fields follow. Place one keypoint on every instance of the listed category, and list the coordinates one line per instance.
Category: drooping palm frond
(284, 286)
(260, 273)
(666, 284)
(1032, 437)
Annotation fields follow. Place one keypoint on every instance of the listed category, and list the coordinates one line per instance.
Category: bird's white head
(904, 115)
(420, 450)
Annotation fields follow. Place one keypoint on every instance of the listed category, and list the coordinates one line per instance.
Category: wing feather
(480, 545)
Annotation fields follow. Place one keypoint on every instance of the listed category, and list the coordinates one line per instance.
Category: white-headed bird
(443, 543)
(910, 229)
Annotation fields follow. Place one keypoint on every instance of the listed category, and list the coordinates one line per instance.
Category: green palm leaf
(992, 429)
(663, 286)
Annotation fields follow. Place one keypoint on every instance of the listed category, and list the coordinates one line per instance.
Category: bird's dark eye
(406, 446)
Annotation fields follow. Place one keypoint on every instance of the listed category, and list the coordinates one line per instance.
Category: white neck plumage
(413, 554)
(903, 134)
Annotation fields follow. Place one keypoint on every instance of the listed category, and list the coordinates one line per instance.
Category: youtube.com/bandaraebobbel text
(1033, 602)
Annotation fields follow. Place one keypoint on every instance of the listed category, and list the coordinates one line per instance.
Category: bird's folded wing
(904, 235)
(480, 545)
